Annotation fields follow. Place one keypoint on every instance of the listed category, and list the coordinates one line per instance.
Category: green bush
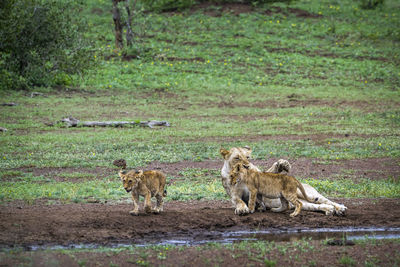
(41, 43)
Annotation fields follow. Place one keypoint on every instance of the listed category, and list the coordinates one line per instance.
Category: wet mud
(24, 225)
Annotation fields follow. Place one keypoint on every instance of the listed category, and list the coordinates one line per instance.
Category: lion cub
(147, 184)
(270, 185)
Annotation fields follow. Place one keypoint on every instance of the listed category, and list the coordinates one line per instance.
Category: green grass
(365, 188)
(112, 190)
(269, 79)
(347, 261)
(253, 252)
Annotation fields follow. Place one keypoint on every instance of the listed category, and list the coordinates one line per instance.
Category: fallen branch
(8, 104)
(35, 94)
(72, 122)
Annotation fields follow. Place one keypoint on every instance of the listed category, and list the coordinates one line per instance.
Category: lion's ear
(224, 152)
(121, 173)
(140, 172)
(248, 150)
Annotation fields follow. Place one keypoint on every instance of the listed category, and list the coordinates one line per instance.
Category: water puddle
(229, 237)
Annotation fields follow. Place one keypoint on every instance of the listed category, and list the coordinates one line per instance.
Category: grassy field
(313, 79)
(261, 253)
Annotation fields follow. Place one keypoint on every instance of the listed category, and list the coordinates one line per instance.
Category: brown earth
(25, 225)
(215, 9)
(373, 168)
(65, 224)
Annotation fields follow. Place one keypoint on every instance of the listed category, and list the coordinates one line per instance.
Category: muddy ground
(24, 225)
(64, 224)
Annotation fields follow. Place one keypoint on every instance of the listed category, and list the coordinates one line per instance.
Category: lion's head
(130, 180)
(237, 173)
(236, 155)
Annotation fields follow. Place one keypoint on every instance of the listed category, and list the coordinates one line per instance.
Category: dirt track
(23, 225)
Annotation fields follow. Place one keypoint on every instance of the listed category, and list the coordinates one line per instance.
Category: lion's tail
(303, 191)
(165, 193)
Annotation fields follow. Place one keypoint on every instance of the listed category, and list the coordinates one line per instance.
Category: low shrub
(41, 43)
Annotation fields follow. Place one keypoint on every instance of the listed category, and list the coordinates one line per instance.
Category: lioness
(236, 154)
(147, 184)
(269, 185)
(240, 194)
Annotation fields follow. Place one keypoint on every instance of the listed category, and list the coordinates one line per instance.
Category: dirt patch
(299, 101)
(321, 53)
(216, 9)
(65, 174)
(300, 13)
(319, 139)
(106, 224)
(161, 93)
(194, 59)
(124, 57)
(303, 13)
(374, 168)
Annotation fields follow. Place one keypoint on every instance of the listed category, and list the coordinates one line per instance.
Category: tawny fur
(239, 193)
(147, 184)
(269, 185)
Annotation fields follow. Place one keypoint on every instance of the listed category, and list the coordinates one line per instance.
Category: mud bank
(104, 224)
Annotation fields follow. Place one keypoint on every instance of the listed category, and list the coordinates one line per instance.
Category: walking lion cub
(147, 184)
(269, 185)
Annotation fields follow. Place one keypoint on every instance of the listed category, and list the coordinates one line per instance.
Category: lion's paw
(330, 211)
(156, 210)
(340, 209)
(283, 165)
(134, 212)
(243, 210)
(327, 208)
(148, 209)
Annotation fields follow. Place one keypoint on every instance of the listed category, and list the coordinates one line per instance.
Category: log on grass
(72, 122)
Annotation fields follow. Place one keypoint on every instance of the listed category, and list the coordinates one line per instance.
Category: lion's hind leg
(326, 208)
(325, 205)
(159, 205)
(298, 205)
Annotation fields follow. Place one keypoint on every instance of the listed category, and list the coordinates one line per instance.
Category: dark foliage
(41, 43)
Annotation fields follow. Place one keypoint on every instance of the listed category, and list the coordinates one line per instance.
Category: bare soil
(40, 224)
(373, 168)
(26, 225)
(64, 224)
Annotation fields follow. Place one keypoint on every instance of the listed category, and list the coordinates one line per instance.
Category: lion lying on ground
(147, 184)
(239, 194)
(269, 185)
